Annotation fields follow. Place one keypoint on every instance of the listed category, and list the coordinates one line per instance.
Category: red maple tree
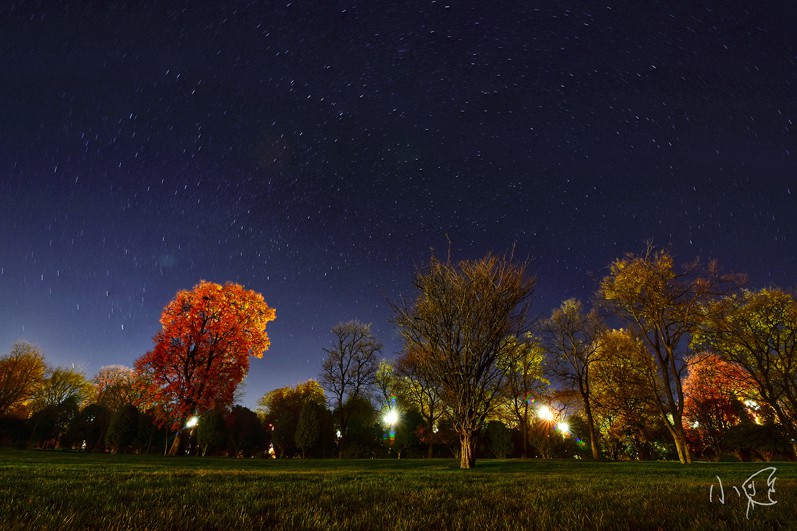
(714, 391)
(202, 352)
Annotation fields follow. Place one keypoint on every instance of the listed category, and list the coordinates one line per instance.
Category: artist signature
(761, 496)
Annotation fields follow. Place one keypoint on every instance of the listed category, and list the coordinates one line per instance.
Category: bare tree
(459, 327)
(571, 341)
(349, 370)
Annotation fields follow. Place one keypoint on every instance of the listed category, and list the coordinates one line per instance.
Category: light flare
(545, 413)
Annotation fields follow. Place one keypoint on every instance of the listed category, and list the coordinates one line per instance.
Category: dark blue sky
(316, 152)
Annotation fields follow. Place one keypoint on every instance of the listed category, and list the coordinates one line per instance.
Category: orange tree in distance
(202, 352)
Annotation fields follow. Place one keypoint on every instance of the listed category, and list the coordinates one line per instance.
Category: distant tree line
(664, 362)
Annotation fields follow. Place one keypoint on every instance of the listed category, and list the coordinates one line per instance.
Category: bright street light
(391, 417)
(193, 421)
(545, 413)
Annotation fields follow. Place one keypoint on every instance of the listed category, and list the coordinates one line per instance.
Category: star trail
(319, 152)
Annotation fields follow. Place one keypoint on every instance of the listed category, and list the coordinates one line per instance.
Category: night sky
(317, 152)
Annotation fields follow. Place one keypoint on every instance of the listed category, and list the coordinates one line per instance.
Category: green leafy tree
(122, 429)
(523, 368)
(309, 428)
(499, 439)
(281, 410)
(662, 306)
(757, 331)
(625, 389)
(62, 384)
(51, 422)
(364, 431)
(211, 432)
(57, 402)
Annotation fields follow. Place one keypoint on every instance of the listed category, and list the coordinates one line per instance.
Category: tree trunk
(149, 442)
(679, 436)
(430, 451)
(593, 439)
(467, 456)
(175, 447)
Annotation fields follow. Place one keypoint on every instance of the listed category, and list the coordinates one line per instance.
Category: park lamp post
(391, 419)
(190, 424)
(547, 416)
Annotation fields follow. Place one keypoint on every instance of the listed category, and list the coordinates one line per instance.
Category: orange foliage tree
(202, 352)
(714, 391)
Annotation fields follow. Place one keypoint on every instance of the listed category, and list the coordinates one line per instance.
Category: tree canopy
(349, 370)
(757, 331)
(21, 377)
(202, 352)
(662, 306)
(459, 327)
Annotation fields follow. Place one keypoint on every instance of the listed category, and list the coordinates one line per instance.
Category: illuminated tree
(115, 386)
(349, 370)
(282, 408)
(21, 376)
(625, 386)
(757, 331)
(63, 384)
(202, 352)
(459, 328)
(419, 391)
(714, 392)
(57, 402)
(522, 366)
(309, 427)
(387, 383)
(662, 306)
(572, 342)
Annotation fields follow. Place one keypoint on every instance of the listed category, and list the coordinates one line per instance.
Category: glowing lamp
(391, 418)
(545, 413)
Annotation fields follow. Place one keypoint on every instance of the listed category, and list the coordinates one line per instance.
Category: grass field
(72, 490)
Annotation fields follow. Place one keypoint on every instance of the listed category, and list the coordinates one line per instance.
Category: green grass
(71, 490)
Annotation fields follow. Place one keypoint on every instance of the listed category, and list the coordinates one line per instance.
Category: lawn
(74, 490)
